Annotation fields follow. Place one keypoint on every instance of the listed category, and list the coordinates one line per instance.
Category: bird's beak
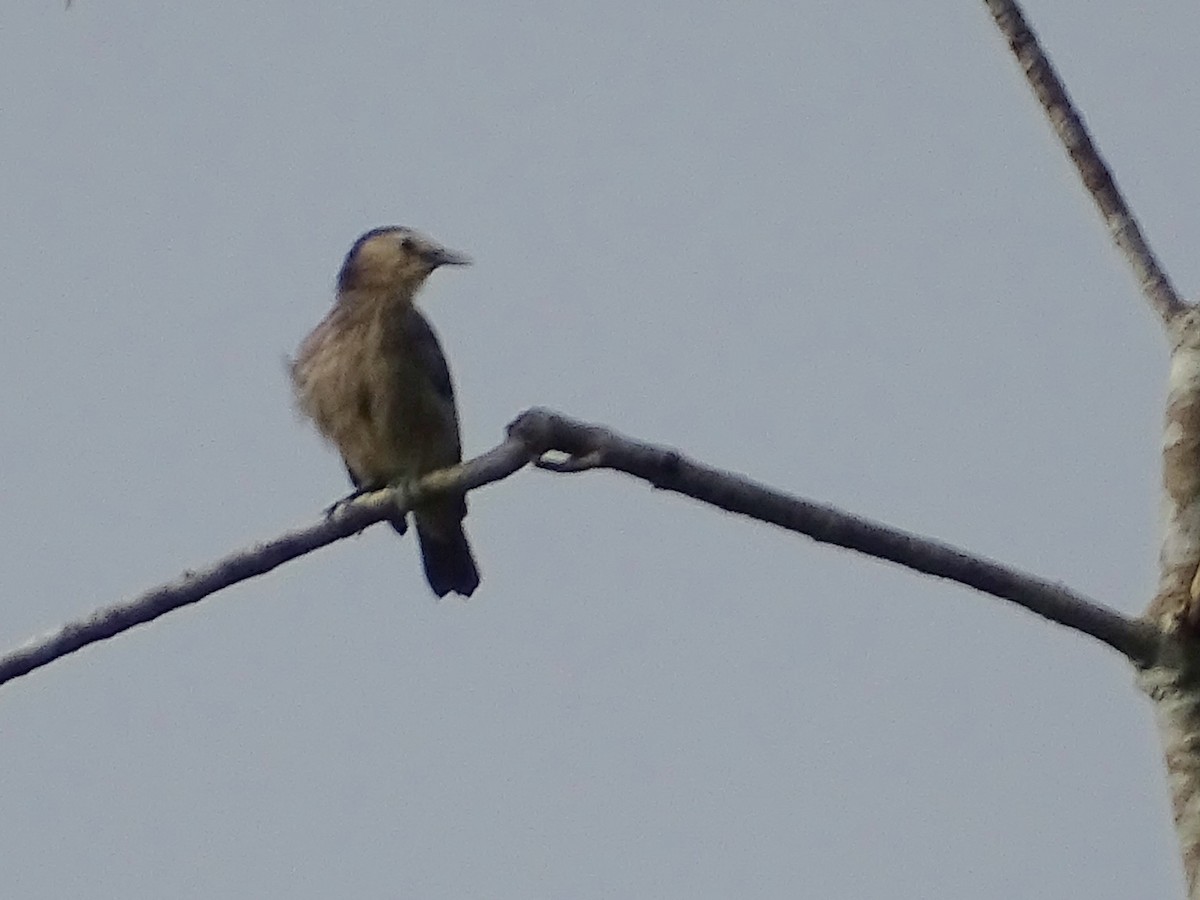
(441, 256)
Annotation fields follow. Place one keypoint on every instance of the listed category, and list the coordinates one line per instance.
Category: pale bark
(1174, 688)
(1179, 556)
(1174, 682)
(1171, 680)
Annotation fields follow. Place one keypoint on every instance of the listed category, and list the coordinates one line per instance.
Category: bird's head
(394, 259)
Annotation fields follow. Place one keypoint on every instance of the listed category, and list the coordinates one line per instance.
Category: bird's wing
(429, 356)
(427, 353)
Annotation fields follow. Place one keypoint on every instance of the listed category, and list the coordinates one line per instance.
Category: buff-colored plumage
(373, 379)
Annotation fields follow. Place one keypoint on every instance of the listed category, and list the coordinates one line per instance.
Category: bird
(373, 379)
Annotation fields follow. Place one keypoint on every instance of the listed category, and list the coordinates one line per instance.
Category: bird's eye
(408, 244)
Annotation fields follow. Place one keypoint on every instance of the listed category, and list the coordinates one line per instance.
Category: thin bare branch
(346, 519)
(665, 468)
(536, 433)
(1153, 282)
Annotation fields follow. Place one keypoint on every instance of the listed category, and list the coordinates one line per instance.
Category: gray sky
(831, 245)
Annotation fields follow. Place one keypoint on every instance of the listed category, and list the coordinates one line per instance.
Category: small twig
(572, 464)
(1153, 282)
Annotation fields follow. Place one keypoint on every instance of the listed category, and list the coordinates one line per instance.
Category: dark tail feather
(449, 565)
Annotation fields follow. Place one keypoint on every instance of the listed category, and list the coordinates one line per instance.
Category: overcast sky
(830, 245)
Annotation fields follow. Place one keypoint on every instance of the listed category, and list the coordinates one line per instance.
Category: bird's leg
(399, 522)
(406, 488)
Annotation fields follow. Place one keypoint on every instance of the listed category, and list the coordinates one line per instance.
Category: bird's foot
(332, 509)
(405, 488)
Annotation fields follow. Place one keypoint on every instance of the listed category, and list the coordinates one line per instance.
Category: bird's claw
(333, 508)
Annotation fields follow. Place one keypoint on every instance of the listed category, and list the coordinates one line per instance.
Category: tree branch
(345, 520)
(1153, 282)
(592, 447)
(537, 433)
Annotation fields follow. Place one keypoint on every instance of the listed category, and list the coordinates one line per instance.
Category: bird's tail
(449, 565)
